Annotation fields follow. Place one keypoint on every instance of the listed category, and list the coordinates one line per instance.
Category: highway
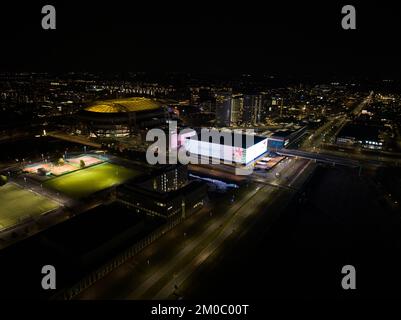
(328, 131)
(240, 222)
(161, 268)
(320, 147)
(365, 102)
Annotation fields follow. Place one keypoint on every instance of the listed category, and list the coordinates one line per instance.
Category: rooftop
(236, 139)
(360, 132)
(135, 104)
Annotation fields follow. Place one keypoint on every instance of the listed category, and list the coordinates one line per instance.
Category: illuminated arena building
(233, 147)
(121, 117)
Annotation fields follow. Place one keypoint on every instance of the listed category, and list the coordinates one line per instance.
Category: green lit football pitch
(82, 183)
(17, 203)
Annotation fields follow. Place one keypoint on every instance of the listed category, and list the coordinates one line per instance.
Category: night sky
(209, 36)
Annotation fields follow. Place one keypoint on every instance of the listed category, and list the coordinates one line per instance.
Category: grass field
(17, 203)
(82, 183)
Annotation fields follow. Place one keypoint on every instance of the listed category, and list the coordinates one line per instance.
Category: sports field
(70, 165)
(17, 204)
(82, 183)
(88, 160)
(53, 169)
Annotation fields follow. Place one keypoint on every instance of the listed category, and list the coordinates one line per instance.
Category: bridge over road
(328, 158)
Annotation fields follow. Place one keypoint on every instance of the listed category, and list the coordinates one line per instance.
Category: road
(320, 145)
(328, 131)
(169, 262)
(240, 222)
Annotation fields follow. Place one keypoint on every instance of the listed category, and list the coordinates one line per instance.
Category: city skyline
(219, 154)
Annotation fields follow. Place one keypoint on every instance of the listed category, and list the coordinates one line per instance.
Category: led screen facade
(227, 153)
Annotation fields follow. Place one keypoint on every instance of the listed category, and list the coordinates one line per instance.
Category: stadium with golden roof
(122, 117)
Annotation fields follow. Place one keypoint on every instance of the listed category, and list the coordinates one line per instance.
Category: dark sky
(211, 36)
